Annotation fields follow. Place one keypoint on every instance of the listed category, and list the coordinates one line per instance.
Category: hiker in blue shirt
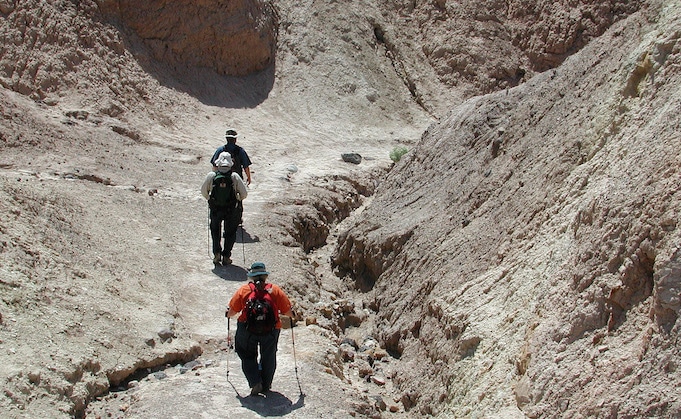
(240, 158)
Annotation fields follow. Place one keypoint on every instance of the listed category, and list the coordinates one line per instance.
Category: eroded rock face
(524, 260)
(469, 47)
(233, 38)
(108, 46)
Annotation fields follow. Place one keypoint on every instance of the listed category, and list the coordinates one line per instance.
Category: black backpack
(261, 315)
(222, 194)
(237, 166)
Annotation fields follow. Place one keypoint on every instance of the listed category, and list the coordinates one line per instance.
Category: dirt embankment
(536, 273)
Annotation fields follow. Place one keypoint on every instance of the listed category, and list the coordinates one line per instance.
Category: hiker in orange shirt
(258, 326)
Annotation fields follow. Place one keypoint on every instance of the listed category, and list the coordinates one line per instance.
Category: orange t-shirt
(240, 297)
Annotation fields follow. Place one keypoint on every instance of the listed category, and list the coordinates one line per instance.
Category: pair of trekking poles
(231, 347)
(230, 342)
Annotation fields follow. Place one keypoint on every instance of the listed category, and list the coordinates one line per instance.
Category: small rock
(346, 353)
(365, 370)
(193, 365)
(166, 334)
(327, 312)
(160, 375)
(352, 158)
(34, 377)
(369, 343)
(78, 114)
(379, 381)
(379, 353)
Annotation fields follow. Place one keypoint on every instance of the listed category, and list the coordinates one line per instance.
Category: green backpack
(222, 195)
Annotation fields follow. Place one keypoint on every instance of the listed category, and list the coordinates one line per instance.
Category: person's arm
(236, 304)
(246, 164)
(207, 185)
(282, 302)
(247, 170)
(239, 187)
(287, 319)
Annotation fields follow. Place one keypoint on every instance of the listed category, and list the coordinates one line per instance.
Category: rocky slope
(519, 261)
(523, 259)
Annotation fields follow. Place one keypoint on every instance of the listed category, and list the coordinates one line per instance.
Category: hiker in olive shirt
(246, 342)
(225, 212)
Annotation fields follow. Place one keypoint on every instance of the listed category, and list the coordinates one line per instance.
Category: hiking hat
(224, 162)
(230, 134)
(257, 269)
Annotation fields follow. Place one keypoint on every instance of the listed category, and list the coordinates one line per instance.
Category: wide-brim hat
(224, 161)
(230, 134)
(257, 269)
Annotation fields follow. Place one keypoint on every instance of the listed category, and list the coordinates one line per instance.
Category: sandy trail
(217, 387)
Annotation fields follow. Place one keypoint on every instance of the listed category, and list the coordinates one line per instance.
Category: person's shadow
(230, 272)
(243, 236)
(271, 403)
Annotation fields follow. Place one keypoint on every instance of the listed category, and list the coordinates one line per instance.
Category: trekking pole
(210, 238)
(295, 363)
(243, 245)
(229, 346)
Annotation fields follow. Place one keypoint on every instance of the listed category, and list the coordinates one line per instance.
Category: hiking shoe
(216, 258)
(226, 260)
(256, 389)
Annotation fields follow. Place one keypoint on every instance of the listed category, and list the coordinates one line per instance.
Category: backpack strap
(267, 289)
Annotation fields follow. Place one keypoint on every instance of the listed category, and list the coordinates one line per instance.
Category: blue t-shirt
(232, 148)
